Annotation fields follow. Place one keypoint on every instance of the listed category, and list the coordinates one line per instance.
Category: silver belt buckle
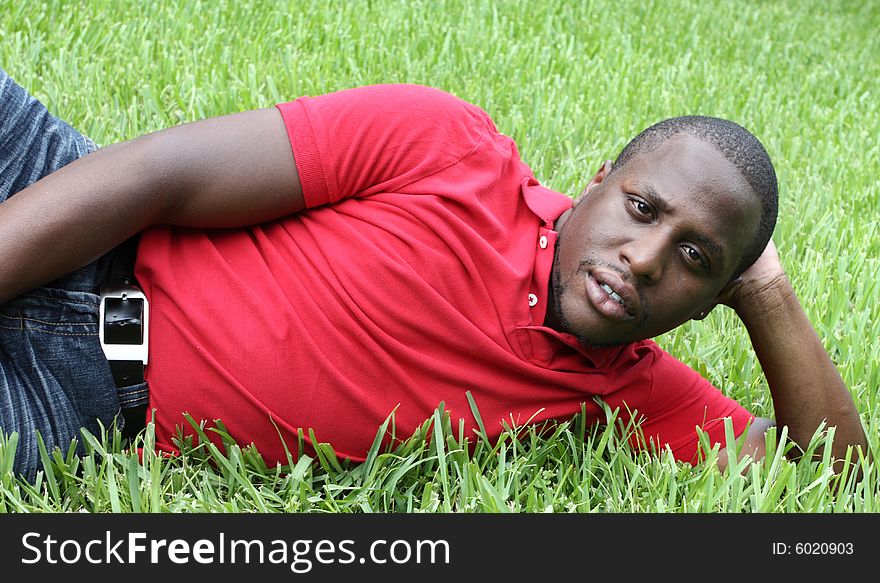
(122, 291)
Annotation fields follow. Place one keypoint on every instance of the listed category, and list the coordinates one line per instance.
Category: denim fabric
(54, 378)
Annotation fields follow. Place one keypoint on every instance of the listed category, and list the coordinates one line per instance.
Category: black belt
(124, 329)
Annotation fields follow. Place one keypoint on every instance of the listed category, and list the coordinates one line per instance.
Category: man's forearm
(804, 382)
(227, 171)
(76, 214)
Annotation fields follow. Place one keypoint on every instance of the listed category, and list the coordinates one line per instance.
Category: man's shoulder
(427, 98)
(397, 106)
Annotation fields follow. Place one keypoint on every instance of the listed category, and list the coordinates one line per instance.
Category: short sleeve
(359, 141)
(681, 400)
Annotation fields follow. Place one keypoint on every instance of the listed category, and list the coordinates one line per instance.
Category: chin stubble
(559, 289)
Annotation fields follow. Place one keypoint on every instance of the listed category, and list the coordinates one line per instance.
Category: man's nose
(646, 257)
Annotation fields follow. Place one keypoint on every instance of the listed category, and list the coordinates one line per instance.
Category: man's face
(650, 245)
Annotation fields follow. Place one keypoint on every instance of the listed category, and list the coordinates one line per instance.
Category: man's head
(689, 204)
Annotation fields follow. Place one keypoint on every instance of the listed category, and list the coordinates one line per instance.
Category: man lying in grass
(330, 260)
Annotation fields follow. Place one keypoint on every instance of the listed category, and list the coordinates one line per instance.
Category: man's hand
(804, 383)
(760, 286)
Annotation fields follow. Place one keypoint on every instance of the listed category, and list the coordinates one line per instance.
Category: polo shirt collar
(545, 344)
(547, 204)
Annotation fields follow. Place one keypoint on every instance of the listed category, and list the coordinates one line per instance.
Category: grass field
(570, 82)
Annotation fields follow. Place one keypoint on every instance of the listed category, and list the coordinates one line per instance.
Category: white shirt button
(533, 300)
(543, 241)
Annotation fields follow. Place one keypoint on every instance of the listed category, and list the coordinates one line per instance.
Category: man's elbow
(753, 446)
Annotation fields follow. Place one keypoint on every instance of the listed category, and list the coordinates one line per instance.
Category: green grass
(570, 82)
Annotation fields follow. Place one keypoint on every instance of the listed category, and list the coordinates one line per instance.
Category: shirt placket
(538, 288)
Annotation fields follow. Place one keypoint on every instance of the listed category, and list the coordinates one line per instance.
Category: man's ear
(701, 315)
(596, 180)
(722, 298)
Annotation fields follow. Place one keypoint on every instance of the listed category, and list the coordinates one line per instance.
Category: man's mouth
(612, 296)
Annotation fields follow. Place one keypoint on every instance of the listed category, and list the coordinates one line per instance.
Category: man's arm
(227, 171)
(804, 383)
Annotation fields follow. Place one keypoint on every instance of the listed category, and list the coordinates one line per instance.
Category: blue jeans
(54, 378)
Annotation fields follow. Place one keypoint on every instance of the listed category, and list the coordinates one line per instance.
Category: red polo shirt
(418, 273)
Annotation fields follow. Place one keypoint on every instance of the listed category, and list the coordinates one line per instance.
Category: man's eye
(641, 207)
(695, 256)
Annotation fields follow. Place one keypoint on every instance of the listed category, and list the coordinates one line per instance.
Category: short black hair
(739, 147)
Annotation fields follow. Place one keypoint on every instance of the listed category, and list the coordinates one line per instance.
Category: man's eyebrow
(650, 194)
(713, 247)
